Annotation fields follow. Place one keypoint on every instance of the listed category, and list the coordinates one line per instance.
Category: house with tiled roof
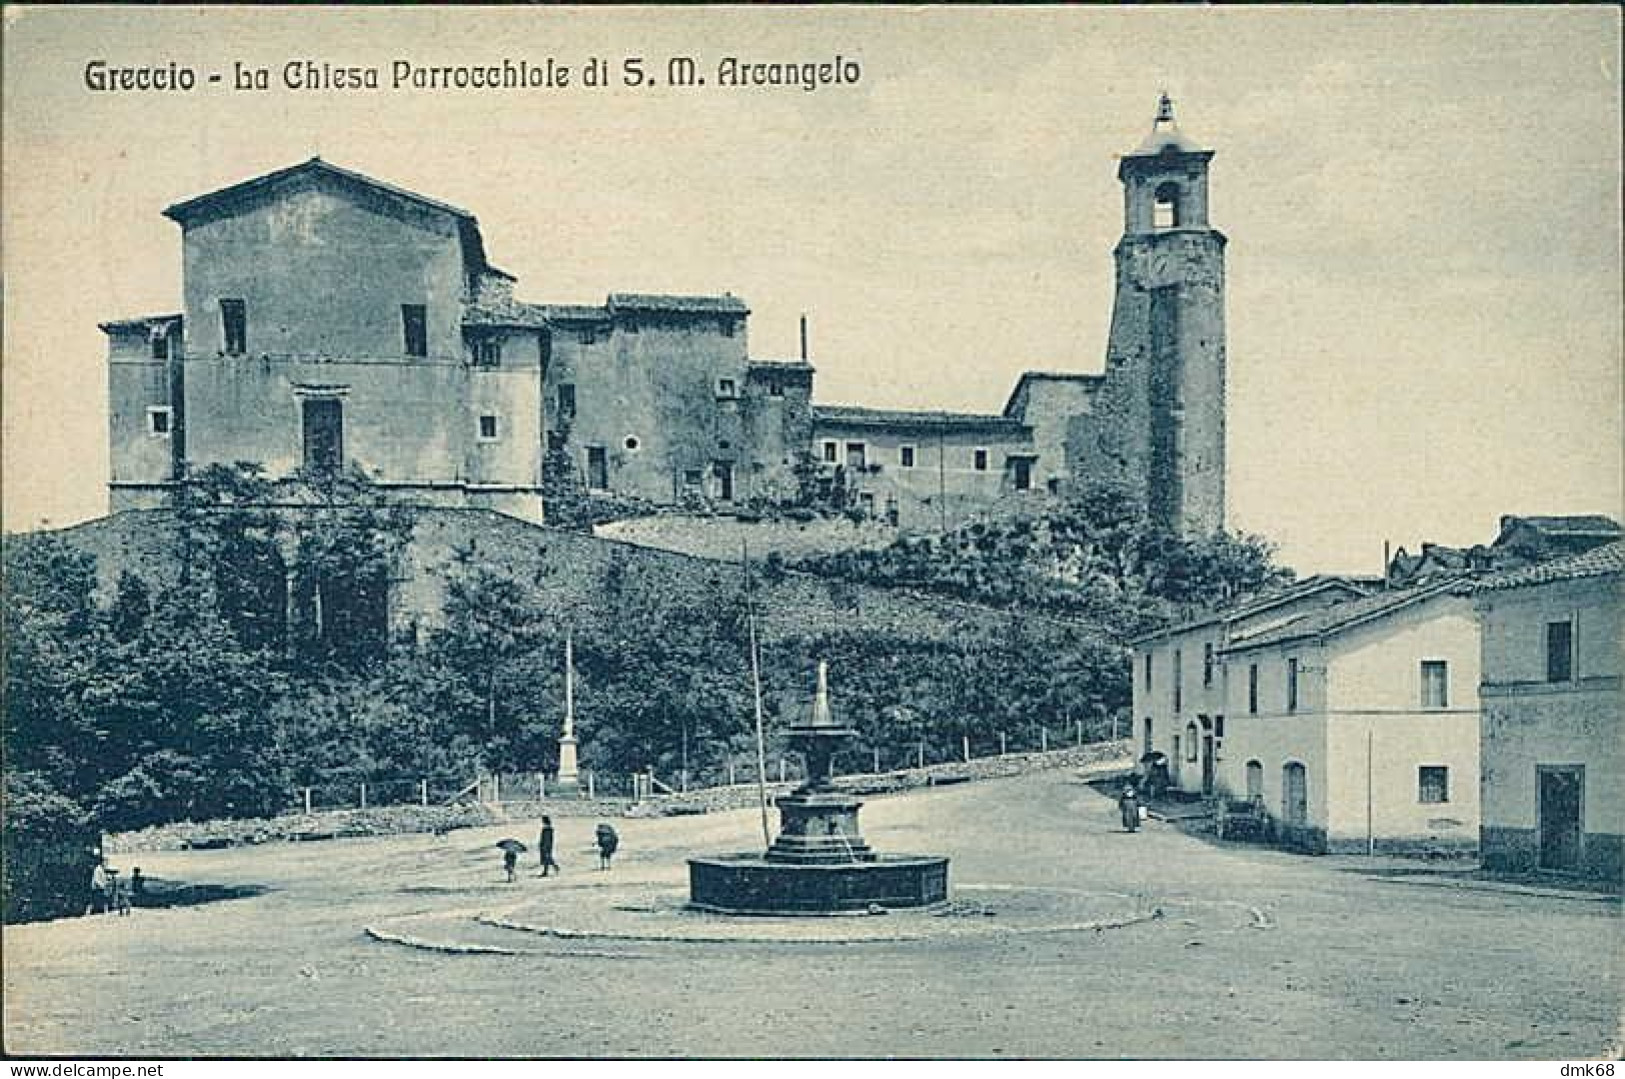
(1181, 678)
(1552, 734)
(1355, 726)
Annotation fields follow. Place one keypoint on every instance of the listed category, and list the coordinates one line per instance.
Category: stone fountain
(819, 863)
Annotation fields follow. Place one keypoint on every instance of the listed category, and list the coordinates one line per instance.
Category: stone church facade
(334, 322)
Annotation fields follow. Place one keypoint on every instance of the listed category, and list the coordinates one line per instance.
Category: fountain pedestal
(819, 862)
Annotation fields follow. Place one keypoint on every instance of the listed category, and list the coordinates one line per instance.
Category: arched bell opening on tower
(1165, 207)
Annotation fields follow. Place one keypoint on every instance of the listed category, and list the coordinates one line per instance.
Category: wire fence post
(1043, 738)
(590, 794)
(307, 801)
(964, 745)
(731, 778)
(1080, 732)
(1003, 744)
(877, 760)
(541, 787)
(919, 754)
(363, 796)
(423, 791)
(781, 769)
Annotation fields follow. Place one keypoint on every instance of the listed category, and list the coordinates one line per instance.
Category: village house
(1356, 726)
(1553, 760)
(1181, 677)
(1521, 541)
(335, 323)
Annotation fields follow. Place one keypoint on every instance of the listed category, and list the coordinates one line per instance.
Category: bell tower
(1163, 430)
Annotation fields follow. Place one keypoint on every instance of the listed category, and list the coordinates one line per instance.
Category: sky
(1423, 208)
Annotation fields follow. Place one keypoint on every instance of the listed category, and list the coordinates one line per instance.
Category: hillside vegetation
(195, 697)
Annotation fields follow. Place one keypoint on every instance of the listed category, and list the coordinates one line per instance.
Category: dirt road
(1334, 964)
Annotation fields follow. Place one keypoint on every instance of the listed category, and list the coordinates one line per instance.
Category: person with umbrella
(544, 846)
(511, 850)
(607, 842)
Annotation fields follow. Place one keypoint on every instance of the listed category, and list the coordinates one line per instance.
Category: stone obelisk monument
(569, 777)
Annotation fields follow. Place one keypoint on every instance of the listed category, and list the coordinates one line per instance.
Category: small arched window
(1255, 781)
(1190, 742)
(1165, 207)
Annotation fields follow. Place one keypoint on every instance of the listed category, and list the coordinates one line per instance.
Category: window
(1292, 684)
(1148, 671)
(1148, 741)
(979, 460)
(830, 452)
(415, 329)
(905, 456)
(1432, 784)
(234, 326)
(159, 421)
(488, 352)
(1435, 683)
(775, 388)
(1179, 690)
(856, 455)
(488, 428)
(725, 388)
(1218, 727)
(1255, 781)
(1252, 689)
(588, 335)
(631, 325)
(160, 345)
(1207, 663)
(597, 469)
(728, 326)
(1191, 741)
(567, 399)
(1053, 485)
(324, 434)
(1559, 651)
(631, 443)
(693, 477)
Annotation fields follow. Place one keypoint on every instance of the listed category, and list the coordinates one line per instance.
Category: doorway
(1562, 801)
(724, 473)
(1207, 763)
(1294, 795)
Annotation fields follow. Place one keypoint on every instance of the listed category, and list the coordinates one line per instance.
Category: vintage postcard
(812, 533)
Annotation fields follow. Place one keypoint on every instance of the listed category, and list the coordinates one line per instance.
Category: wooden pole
(363, 796)
(590, 794)
(541, 787)
(307, 801)
(1080, 732)
(1003, 744)
(1043, 738)
(877, 760)
(423, 791)
(964, 745)
(919, 754)
(1370, 830)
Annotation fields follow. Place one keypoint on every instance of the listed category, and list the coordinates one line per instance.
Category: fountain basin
(751, 884)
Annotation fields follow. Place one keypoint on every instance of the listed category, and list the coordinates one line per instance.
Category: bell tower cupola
(1164, 178)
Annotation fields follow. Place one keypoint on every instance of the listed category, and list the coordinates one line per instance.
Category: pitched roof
(1261, 603)
(1029, 377)
(516, 313)
(856, 415)
(1585, 525)
(684, 305)
(1326, 621)
(140, 323)
(202, 207)
(1607, 560)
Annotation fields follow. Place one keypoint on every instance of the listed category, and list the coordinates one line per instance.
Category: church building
(332, 322)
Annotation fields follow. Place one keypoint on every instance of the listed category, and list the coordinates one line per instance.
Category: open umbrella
(512, 845)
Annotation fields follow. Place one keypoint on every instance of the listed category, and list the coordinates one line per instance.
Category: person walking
(607, 842)
(121, 893)
(1128, 804)
(138, 887)
(510, 861)
(98, 889)
(544, 846)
